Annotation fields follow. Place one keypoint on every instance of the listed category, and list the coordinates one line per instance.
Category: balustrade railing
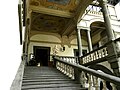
(94, 55)
(67, 69)
(101, 54)
(89, 78)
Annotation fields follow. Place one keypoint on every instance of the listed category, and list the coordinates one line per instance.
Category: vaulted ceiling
(55, 16)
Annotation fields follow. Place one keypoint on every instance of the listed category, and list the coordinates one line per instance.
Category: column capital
(85, 28)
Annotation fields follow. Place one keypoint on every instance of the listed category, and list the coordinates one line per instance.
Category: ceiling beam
(51, 12)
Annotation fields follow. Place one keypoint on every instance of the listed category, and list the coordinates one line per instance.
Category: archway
(97, 28)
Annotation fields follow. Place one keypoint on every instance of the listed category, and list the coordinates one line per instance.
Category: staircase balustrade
(91, 81)
(67, 69)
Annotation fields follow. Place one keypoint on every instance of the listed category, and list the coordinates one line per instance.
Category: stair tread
(56, 82)
(47, 78)
(51, 85)
(60, 88)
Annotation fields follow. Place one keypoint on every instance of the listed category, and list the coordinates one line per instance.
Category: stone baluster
(64, 68)
(106, 52)
(67, 70)
(95, 81)
(96, 54)
(90, 81)
(104, 85)
(103, 55)
(99, 54)
(94, 57)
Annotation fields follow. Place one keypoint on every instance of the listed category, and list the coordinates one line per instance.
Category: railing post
(54, 62)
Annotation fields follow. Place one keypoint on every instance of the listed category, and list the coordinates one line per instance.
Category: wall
(52, 41)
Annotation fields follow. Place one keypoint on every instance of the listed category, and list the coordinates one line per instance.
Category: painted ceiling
(48, 23)
(56, 16)
(63, 5)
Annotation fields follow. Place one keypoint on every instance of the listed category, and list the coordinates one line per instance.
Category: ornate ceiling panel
(47, 23)
(56, 16)
(63, 5)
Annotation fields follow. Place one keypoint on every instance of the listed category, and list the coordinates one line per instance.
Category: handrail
(107, 77)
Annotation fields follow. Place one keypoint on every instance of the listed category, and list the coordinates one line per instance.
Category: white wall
(42, 37)
(10, 49)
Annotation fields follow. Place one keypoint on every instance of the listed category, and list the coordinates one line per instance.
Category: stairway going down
(47, 78)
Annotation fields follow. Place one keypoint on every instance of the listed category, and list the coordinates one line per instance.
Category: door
(42, 55)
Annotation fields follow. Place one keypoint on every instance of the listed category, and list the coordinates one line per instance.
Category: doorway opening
(76, 52)
(42, 55)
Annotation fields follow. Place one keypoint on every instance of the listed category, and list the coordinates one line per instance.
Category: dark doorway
(76, 52)
(42, 55)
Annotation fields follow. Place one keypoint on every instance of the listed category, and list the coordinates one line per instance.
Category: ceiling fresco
(63, 5)
(56, 16)
(62, 2)
(47, 23)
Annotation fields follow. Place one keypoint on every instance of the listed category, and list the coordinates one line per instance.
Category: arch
(95, 20)
(44, 37)
(96, 28)
(83, 23)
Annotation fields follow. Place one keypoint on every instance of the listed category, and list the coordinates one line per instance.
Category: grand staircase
(47, 78)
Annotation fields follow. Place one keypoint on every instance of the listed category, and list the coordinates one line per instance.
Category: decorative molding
(51, 12)
(51, 42)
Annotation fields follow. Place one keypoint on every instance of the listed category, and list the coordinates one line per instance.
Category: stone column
(109, 30)
(89, 41)
(111, 47)
(79, 42)
(77, 72)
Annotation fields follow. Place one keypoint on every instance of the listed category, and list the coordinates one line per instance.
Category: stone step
(50, 82)
(47, 78)
(50, 86)
(60, 88)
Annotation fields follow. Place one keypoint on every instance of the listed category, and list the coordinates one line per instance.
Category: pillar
(111, 47)
(79, 42)
(77, 72)
(109, 30)
(89, 41)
